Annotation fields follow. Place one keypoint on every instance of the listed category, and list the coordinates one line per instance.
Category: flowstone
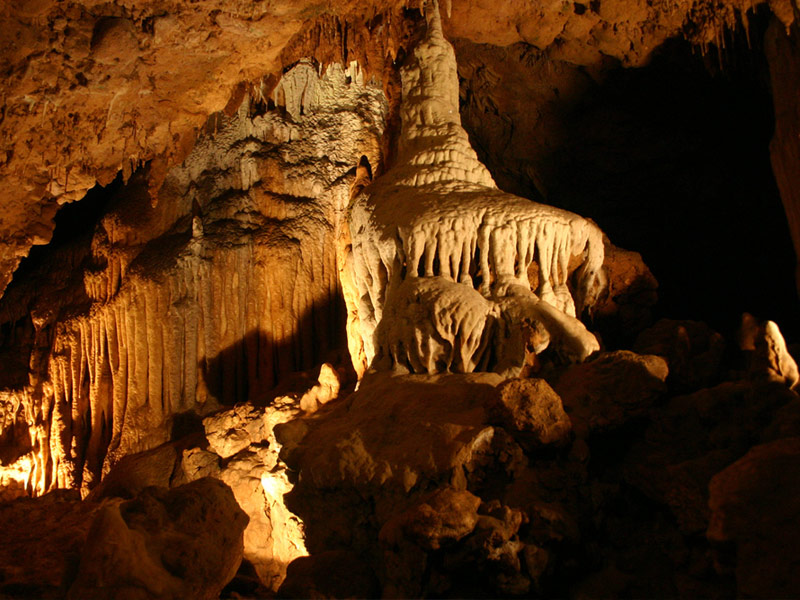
(440, 257)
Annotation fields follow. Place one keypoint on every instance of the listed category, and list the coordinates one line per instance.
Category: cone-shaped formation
(438, 214)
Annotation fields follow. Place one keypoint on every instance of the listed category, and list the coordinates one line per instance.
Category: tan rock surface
(606, 392)
(108, 75)
(531, 408)
(180, 543)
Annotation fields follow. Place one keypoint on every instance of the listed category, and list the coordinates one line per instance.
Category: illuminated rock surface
(180, 307)
(436, 219)
(332, 326)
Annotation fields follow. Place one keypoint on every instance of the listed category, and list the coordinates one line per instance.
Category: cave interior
(399, 300)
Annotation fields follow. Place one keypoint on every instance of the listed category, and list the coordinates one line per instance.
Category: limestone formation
(435, 219)
(178, 307)
(285, 181)
(771, 359)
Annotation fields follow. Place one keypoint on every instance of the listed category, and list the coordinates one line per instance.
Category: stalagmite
(772, 359)
(438, 214)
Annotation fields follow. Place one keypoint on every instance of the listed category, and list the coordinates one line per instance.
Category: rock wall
(204, 297)
(108, 73)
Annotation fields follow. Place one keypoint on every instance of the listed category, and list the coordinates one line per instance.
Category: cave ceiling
(91, 89)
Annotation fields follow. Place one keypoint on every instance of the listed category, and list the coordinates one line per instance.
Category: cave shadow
(672, 160)
(259, 367)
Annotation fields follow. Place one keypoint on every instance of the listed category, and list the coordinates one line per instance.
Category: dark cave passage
(675, 158)
(672, 161)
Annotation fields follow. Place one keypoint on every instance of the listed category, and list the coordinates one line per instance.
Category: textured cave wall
(106, 326)
(92, 88)
(148, 311)
(205, 297)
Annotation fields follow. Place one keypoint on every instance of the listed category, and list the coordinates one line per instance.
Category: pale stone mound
(438, 213)
(772, 357)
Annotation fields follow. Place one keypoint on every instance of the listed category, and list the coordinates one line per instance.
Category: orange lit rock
(228, 432)
(240, 450)
(181, 543)
(177, 306)
(290, 180)
(607, 391)
(443, 517)
(530, 408)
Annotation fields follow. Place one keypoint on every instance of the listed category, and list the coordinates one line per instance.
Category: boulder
(532, 411)
(771, 358)
(398, 432)
(755, 509)
(441, 518)
(42, 540)
(606, 392)
(332, 574)
(326, 389)
(692, 349)
(135, 472)
(230, 431)
(491, 553)
(246, 459)
(180, 543)
(693, 437)
(243, 453)
(625, 309)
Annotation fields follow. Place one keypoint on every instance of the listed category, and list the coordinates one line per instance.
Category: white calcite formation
(772, 359)
(437, 247)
